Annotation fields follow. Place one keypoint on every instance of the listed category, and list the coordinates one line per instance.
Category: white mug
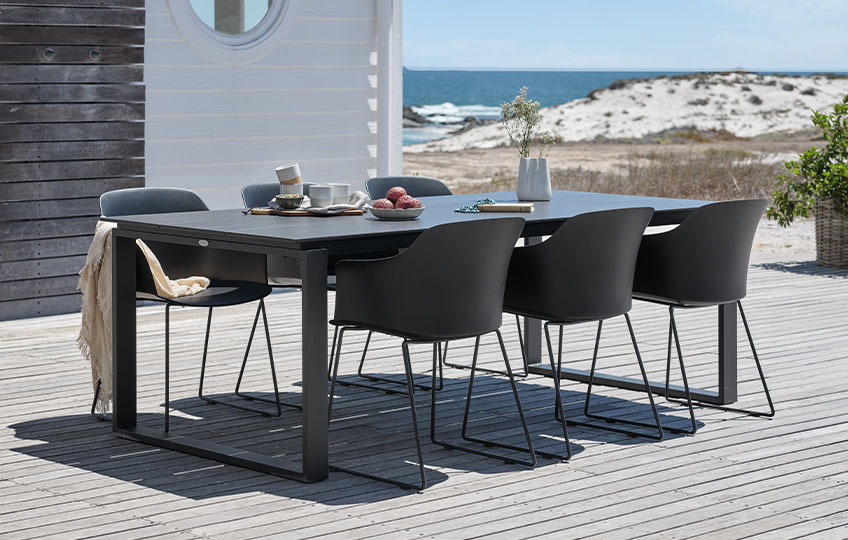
(289, 174)
(292, 189)
(341, 193)
(320, 196)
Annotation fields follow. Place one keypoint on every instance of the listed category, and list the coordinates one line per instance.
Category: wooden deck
(64, 475)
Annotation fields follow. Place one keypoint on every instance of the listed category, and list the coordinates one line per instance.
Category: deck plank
(60, 471)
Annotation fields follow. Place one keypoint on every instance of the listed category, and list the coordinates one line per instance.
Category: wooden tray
(299, 212)
(506, 207)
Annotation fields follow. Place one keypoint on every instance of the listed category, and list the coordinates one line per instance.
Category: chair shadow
(807, 268)
(369, 431)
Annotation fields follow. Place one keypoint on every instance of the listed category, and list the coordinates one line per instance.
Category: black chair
(283, 272)
(703, 262)
(227, 287)
(454, 275)
(415, 186)
(583, 273)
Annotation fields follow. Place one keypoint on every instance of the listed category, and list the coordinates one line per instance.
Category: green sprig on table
(472, 209)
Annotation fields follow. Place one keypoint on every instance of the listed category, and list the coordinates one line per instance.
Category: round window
(234, 31)
(231, 17)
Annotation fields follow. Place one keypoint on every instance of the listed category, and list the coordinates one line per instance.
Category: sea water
(448, 97)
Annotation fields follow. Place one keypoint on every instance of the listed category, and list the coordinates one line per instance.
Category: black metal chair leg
(465, 436)
(375, 378)
(497, 371)
(556, 376)
(332, 352)
(168, 363)
(259, 309)
(748, 412)
(657, 424)
(673, 333)
(411, 394)
(276, 401)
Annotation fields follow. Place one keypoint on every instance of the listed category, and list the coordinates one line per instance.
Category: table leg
(533, 327)
(123, 333)
(314, 367)
(726, 354)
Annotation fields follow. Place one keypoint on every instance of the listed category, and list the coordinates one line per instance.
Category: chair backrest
(149, 200)
(448, 284)
(179, 260)
(415, 186)
(705, 259)
(258, 195)
(584, 271)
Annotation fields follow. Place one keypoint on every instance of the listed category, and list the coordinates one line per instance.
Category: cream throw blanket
(95, 338)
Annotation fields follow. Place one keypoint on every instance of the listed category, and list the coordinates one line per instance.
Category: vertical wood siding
(213, 127)
(71, 128)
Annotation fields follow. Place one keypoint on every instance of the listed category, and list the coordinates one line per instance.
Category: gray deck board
(63, 475)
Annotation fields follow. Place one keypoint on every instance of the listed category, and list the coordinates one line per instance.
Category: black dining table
(311, 241)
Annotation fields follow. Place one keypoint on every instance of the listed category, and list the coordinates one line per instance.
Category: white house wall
(213, 127)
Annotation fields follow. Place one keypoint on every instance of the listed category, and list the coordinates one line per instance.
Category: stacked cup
(291, 182)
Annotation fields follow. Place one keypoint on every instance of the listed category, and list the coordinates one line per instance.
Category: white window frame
(244, 48)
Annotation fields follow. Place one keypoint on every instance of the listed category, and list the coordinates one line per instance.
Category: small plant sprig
(521, 119)
(818, 172)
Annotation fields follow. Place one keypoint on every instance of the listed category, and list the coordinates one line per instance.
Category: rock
(470, 122)
(413, 119)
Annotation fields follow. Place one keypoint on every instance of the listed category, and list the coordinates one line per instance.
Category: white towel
(95, 337)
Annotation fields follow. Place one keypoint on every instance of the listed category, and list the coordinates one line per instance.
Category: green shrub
(818, 172)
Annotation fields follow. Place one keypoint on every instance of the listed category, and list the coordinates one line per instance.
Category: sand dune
(741, 104)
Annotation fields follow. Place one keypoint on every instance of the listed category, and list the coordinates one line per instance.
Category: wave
(448, 113)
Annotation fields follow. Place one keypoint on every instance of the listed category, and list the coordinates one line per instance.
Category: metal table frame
(312, 251)
(313, 265)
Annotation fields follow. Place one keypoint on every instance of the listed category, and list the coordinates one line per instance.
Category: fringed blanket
(95, 338)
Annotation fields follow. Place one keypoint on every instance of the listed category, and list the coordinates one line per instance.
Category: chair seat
(411, 336)
(219, 293)
(557, 319)
(667, 301)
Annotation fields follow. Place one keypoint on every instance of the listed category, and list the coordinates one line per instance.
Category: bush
(755, 100)
(818, 173)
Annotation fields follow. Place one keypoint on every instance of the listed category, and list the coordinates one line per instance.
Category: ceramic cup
(341, 193)
(320, 196)
(289, 174)
(291, 189)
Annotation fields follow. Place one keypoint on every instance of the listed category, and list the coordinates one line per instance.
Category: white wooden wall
(213, 127)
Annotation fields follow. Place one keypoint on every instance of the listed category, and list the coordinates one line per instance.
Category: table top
(340, 232)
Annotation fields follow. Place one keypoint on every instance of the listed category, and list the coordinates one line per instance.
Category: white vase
(534, 180)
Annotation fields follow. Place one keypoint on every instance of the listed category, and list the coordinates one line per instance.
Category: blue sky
(787, 35)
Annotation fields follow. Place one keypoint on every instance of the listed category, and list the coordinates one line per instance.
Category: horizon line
(682, 70)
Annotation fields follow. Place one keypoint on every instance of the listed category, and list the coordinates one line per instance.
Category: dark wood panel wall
(71, 128)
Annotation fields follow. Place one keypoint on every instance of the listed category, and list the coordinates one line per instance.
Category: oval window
(231, 17)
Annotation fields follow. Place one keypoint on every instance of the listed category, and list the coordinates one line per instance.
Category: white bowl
(395, 213)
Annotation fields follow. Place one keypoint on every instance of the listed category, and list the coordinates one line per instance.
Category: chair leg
(497, 371)
(260, 309)
(748, 412)
(375, 378)
(672, 332)
(465, 436)
(656, 425)
(97, 416)
(411, 394)
(276, 401)
(332, 352)
(168, 363)
(556, 376)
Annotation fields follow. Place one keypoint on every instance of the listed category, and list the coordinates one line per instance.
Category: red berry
(408, 202)
(395, 193)
(383, 203)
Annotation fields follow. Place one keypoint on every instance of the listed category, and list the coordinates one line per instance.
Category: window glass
(232, 17)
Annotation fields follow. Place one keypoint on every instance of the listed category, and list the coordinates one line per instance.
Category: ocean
(447, 97)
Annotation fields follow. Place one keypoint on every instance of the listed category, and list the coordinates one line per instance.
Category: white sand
(642, 107)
